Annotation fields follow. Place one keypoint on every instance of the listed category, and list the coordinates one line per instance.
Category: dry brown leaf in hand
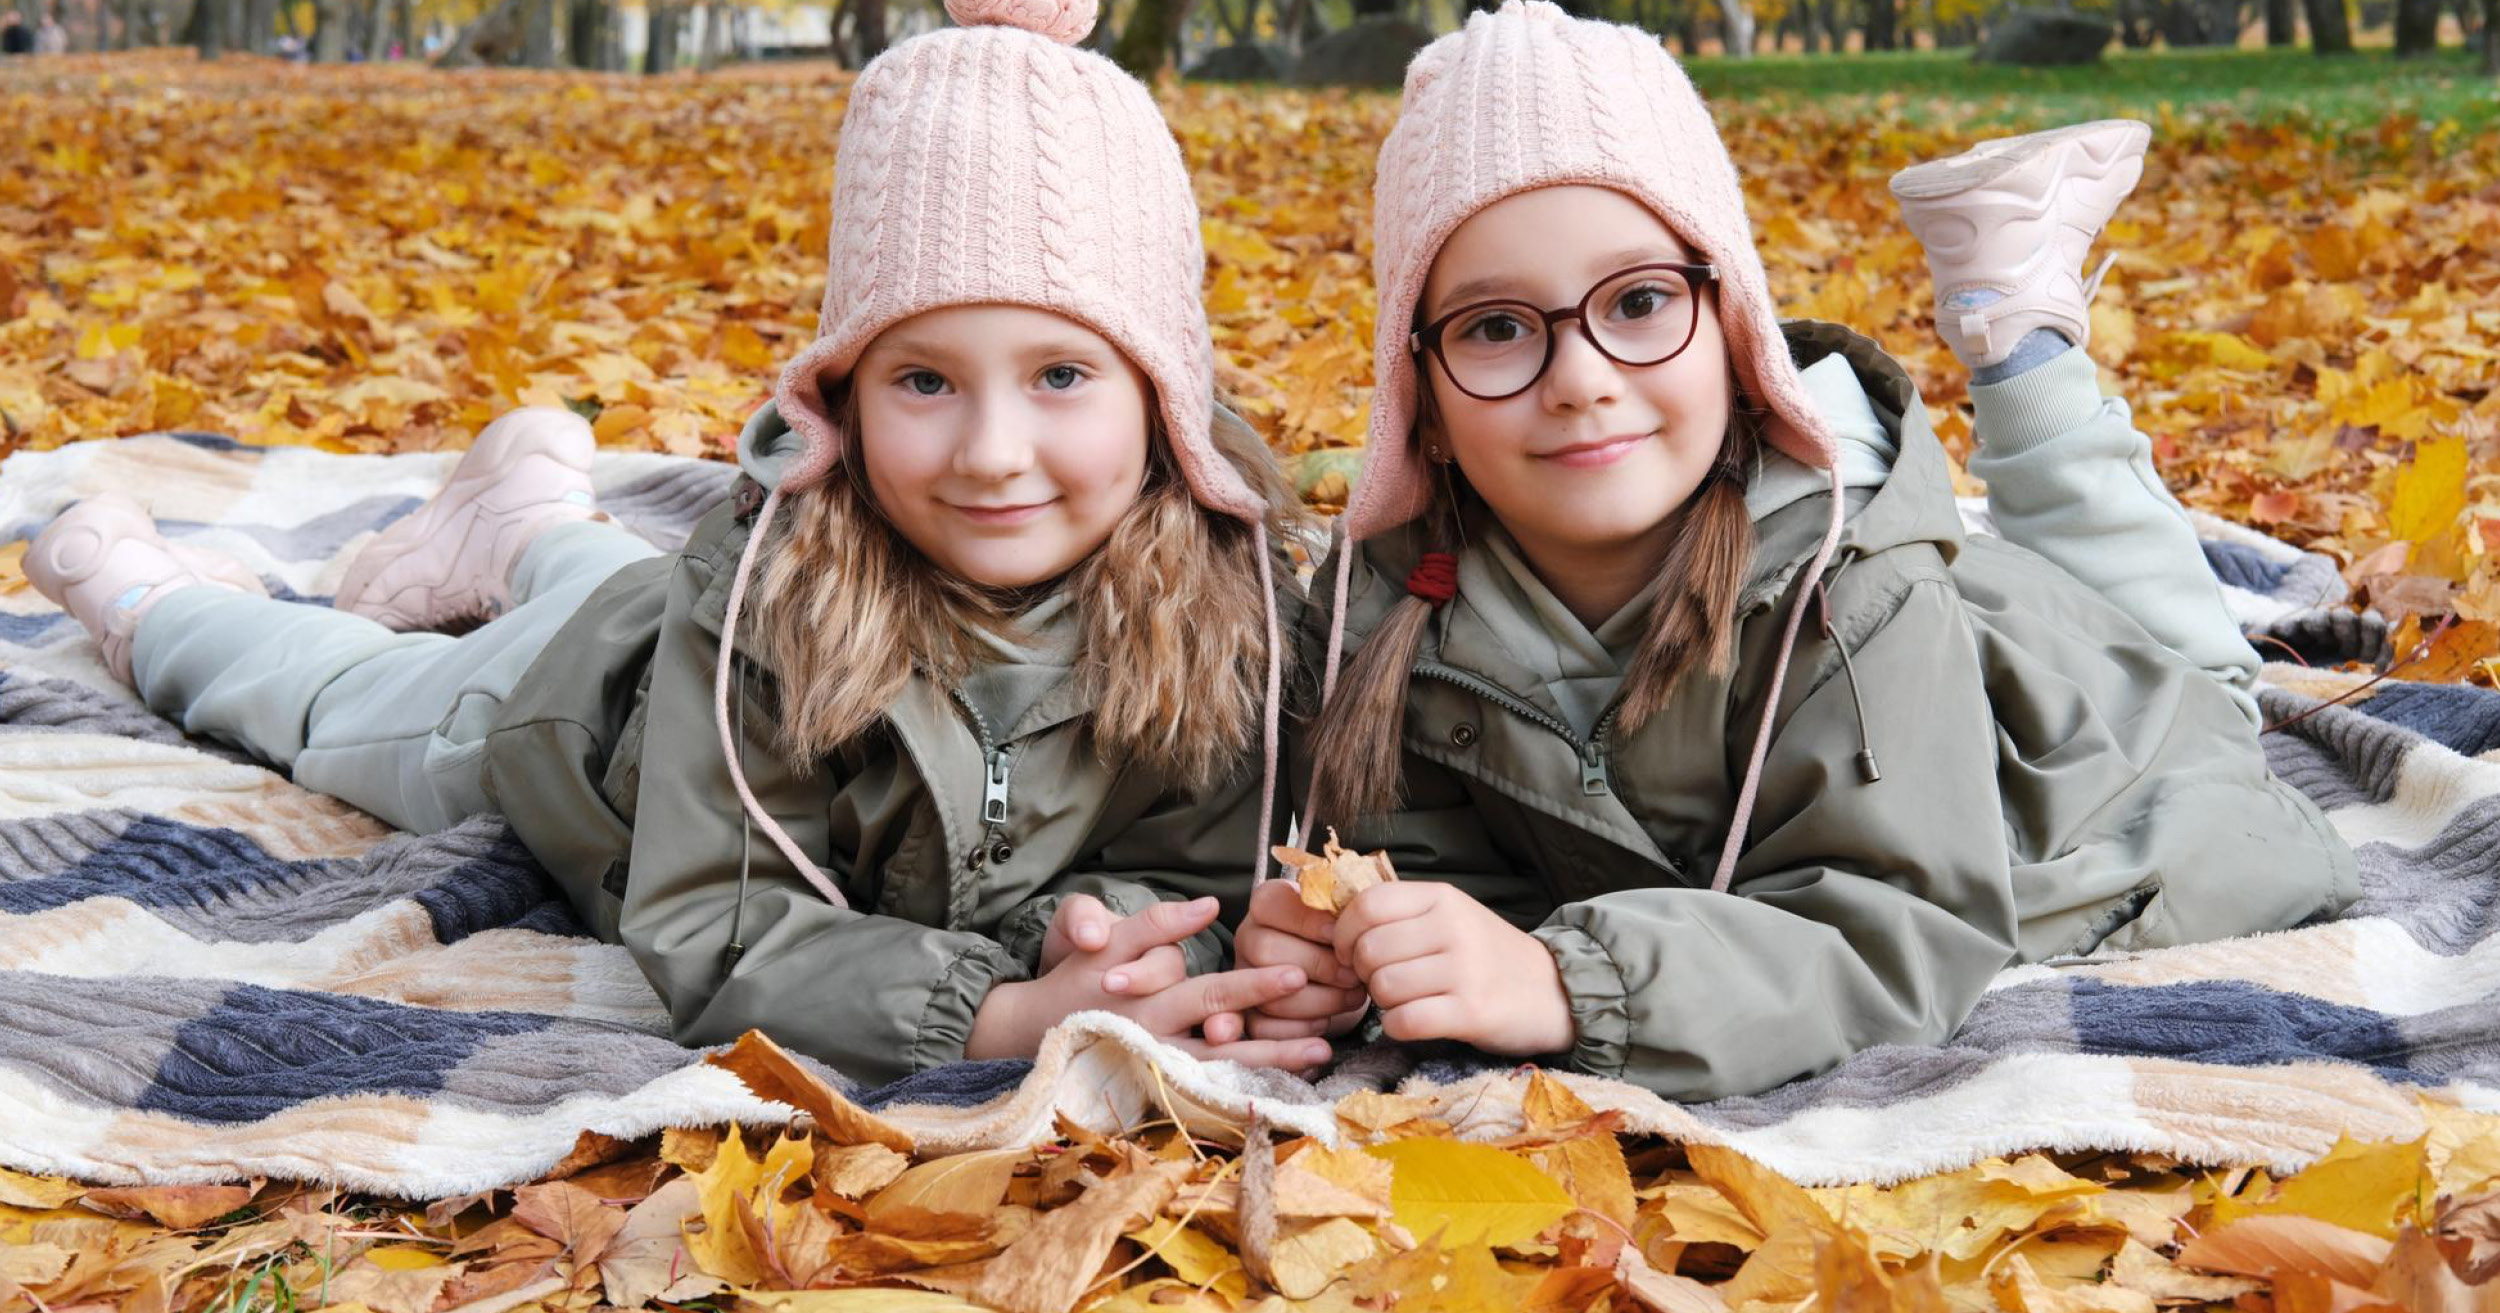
(1331, 880)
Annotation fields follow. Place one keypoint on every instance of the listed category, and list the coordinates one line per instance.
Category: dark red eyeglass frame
(1429, 337)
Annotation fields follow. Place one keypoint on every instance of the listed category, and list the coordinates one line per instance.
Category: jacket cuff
(1600, 1003)
(945, 1023)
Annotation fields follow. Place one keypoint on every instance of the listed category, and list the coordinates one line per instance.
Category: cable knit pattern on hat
(1526, 97)
(997, 164)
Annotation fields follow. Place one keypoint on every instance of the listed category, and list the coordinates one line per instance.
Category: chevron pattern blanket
(207, 973)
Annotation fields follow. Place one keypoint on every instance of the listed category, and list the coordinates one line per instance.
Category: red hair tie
(1435, 578)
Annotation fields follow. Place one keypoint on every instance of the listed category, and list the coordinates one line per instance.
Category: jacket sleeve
(878, 997)
(1182, 847)
(1860, 914)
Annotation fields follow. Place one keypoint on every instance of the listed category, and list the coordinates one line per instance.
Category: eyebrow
(1506, 286)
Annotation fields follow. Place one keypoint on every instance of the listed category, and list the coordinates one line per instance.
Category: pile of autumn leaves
(836, 1214)
(383, 258)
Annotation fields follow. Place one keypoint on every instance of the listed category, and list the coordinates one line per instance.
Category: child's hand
(1140, 973)
(1442, 966)
(1281, 930)
(1081, 924)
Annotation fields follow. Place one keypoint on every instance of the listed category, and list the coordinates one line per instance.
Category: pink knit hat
(1526, 97)
(996, 164)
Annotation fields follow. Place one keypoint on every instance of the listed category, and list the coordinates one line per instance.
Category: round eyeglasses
(1495, 350)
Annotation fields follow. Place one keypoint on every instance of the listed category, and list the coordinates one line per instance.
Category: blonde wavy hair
(1173, 646)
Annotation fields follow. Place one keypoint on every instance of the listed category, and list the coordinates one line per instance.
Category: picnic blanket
(207, 973)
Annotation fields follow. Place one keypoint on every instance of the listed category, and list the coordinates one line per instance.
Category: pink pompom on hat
(1526, 97)
(997, 164)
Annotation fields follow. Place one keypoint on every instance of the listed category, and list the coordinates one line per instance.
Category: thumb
(1080, 924)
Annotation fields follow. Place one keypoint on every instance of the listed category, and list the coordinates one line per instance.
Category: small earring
(1432, 453)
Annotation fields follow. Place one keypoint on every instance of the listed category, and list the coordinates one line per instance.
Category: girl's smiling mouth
(1002, 516)
(1596, 452)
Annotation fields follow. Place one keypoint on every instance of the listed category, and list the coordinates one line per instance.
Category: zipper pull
(994, 790)
(1593, 768)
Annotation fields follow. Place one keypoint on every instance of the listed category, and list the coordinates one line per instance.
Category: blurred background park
(370, 225)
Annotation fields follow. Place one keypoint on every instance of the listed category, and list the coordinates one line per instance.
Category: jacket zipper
(1591, 750)
(994, 772)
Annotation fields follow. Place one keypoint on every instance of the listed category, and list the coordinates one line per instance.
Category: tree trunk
(2491, 37)
(2282, 23)
(1146, 41)
(378, 32)
(586, 35)
(659, 51)
(1240, 27)
(329, 39)
(1881, 33)
(715, 48)
(869, 16)
(1736, 28)
(209, 21)
(538, 33)
(2417, 27)
(2330, 32)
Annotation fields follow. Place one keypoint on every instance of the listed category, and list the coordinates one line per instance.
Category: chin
(1008, 565)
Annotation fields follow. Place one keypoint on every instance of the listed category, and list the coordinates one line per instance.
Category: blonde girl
(956, 718)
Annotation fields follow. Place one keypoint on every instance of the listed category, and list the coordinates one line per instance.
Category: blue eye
(924, 383)
(1059, 378)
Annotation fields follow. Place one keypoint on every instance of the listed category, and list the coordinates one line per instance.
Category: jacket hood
(766, 446)
(1897, 478)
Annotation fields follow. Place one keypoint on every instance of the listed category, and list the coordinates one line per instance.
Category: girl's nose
(1579, 376)
(999, 445)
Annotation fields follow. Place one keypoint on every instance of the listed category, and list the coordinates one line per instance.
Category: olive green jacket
(2052, 781)
(952, 839)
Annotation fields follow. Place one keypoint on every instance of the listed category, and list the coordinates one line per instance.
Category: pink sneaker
(2007, 225)
(451, 559)
(104, 562)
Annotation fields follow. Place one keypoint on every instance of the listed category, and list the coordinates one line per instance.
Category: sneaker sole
(1950, 177)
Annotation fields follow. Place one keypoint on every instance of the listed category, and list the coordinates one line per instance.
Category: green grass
(2356, 92)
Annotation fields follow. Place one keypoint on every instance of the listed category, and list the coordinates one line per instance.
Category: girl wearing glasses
(1656, 654)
